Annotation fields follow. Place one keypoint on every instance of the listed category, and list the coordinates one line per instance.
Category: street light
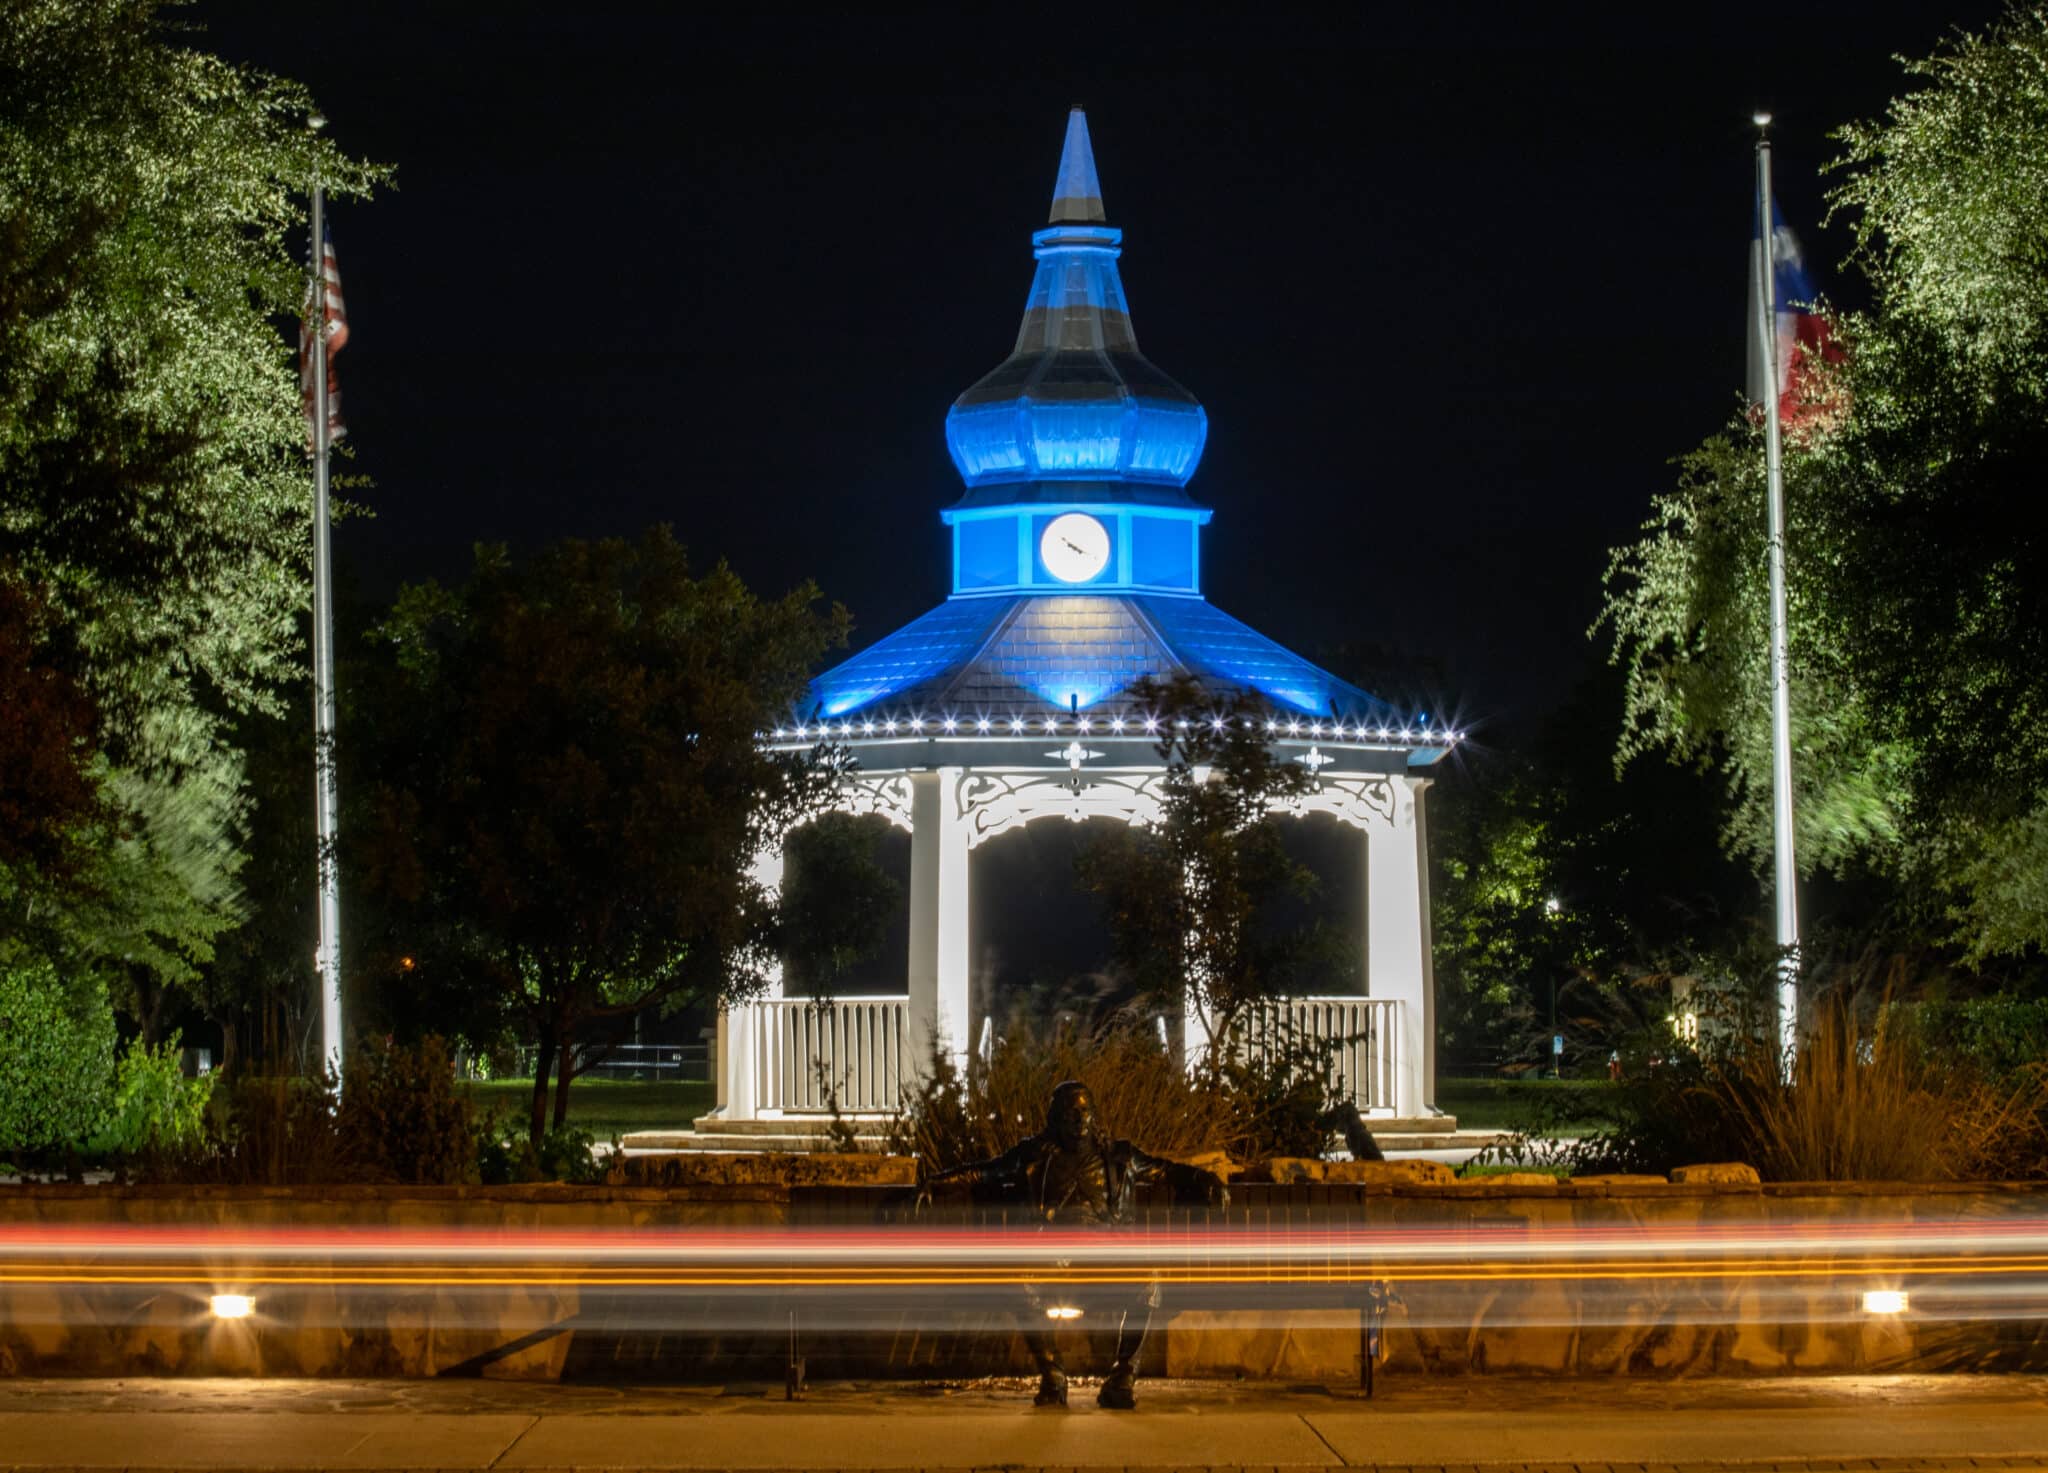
(1553, 908)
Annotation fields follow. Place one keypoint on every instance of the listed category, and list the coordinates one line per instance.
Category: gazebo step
(807, 1133)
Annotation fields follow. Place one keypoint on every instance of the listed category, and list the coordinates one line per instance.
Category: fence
(814, 1053)
(1360, 1035)
(689, 1062)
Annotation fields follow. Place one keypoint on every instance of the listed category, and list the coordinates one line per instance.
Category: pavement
(1480, 1423)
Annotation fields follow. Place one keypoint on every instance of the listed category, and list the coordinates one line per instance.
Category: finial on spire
(1077, 196)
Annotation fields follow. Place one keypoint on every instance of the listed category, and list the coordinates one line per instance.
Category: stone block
(1389, 1173)
(1294, 1345)
(771, 1168)
(1619, 1179)
(1715, 1174)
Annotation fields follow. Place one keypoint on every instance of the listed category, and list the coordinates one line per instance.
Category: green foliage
(153, 484)
(836, 901)
(400, 1117)
(404, 1117)
(569, 787)
(565, 1154)
(1274, 1106)
(156, 1109)
(1917, 544)
(1868, 1099)
(56, 1063)
(2000, 1037)
(1185, 896)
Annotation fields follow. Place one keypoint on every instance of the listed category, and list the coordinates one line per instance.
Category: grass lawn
(1500, 1104)
(605, 1107)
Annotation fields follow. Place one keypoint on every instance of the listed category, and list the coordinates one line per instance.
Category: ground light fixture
(1884, 1301)
(1063, 1312)
(231, 1306)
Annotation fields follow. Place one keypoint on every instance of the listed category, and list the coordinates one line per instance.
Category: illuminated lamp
(1063, 1312)
(949, 723)
(231, 1306)
(1017, 723)
(889, 726)
(982, 724)
(1051, 725)
(1884, 1301)
(1116, 724)
(867, 728)
(917, 723)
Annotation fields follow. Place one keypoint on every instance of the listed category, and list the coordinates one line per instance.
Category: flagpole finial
(1761, 119)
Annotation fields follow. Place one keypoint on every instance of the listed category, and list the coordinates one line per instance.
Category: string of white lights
(1053, 724)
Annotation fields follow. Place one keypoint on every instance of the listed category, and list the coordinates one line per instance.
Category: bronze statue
(1070, 1175)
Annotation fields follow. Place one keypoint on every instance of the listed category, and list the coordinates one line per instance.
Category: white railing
(860, 1042)
(1362, 1036)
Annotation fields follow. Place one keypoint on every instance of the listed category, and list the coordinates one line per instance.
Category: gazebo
(1077, 570)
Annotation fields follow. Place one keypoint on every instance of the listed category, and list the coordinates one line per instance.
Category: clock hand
(1075, 545)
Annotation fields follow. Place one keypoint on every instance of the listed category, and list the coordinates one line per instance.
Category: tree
(1184, 896)
(1917, 542)
(569, 786)
(153, 483)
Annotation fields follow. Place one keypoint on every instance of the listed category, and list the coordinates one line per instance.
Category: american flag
(337, 338)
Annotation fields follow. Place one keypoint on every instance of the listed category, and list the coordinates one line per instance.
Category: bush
(1999, 1037)
(404, 1118)
(1869, 1100)
(1141, 1095)
(400, 1117)
(1248, 1108)
(566, 1154)
(156, 1109)
(56, 1064)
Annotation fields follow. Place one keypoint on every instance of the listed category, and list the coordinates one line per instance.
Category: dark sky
(1452, 286)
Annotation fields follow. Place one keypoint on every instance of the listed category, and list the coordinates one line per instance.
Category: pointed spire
(1077, 196)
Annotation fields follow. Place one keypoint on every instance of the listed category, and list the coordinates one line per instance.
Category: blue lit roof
(1018, 656)
(1076, 400)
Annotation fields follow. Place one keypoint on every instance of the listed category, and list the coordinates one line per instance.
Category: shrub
(1869, 1100)
(566, 1154)
(1142, 1094)
(156, 1109)
(400, 1117)
(404, 1118)
(56, 1064)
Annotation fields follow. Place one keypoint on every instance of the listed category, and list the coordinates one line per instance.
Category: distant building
(1077, 570)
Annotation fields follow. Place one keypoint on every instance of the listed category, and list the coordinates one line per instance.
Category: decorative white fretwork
(886, 796)
(996, 802)
(1362, 802)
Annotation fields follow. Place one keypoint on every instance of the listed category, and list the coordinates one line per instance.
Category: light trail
(918, 1257)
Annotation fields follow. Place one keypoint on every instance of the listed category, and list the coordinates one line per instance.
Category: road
(1481, 1423)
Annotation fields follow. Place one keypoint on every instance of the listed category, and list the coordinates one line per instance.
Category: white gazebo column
(739, 1026)
(1397, 959)
(938, 916)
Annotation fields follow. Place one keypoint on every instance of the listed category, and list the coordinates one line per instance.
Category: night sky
(1452, 288)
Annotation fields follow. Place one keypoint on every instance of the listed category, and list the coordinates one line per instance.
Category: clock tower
(1076, 449)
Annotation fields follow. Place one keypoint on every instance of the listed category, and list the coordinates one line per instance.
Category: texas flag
(1803, 337)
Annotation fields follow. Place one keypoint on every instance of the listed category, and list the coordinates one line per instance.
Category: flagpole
(327, 800)
(1784, 865)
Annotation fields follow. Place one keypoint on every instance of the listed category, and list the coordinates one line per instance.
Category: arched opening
(1328, 925)
(1040, 942)
(844, 882)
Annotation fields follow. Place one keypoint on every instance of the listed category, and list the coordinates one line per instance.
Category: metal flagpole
(1786, 872)
(327, 800)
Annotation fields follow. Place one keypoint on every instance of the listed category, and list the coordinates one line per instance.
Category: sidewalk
(243, 1426)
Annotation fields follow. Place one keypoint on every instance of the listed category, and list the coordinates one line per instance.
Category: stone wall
(1630, 1324)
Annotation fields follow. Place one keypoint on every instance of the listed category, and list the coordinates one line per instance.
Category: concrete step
(802, 1134)
(873, 1125)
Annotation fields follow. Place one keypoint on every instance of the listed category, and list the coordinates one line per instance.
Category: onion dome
(1076, 401)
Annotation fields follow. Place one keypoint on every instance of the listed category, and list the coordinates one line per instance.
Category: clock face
(1075, 547)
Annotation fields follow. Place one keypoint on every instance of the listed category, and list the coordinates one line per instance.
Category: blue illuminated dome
(1076, 401)
(1077, 554)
